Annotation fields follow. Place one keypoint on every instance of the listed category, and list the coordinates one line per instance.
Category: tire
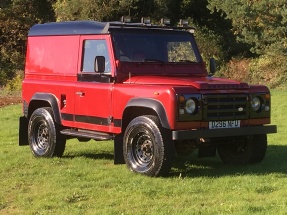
(148, 148)
(243, 151)
(44, 136)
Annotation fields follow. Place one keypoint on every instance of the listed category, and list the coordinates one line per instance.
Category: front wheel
(44, 138)
(148, 148)
(244, 151)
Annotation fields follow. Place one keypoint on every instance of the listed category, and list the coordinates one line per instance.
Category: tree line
(225, 29)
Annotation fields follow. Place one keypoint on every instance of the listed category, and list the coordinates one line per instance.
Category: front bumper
(227, 132)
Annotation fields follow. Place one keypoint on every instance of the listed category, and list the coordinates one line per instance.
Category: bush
(237, 69)
(271, 70)
(267, 70)
(15, 84)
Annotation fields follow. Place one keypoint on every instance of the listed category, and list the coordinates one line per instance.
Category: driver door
(93, 91)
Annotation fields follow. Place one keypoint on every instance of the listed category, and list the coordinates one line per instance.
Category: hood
(197, 82)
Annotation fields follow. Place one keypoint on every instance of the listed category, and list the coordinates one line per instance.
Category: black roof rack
(89, 27)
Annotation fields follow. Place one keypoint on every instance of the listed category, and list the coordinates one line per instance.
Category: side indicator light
(181, 99)
(267, 96)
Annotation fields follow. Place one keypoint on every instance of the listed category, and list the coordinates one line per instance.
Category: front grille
(225, 107)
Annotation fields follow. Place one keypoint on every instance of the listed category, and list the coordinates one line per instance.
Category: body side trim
(90, 119)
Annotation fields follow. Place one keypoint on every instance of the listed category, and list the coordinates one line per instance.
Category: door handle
(80, 93)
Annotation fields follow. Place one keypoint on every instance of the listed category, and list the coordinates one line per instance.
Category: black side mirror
(212, 66)
(100, 64)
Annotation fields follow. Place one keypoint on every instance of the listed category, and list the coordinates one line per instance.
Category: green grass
(85, 181)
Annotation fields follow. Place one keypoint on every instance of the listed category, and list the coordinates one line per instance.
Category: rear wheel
(148, 148)
(44, 137)
(243, 151)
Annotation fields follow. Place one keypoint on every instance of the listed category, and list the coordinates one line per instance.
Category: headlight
(190, 106)
(255, 103)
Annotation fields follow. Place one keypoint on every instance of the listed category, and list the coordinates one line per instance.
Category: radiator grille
(225, 106)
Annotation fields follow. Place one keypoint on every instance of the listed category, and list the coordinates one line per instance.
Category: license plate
(224, 124)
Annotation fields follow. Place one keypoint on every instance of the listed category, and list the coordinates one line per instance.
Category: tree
(108, 10)
(16, 17)
(262, 24)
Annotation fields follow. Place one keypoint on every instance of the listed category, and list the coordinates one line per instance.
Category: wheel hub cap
(144, 151)
(43, 136)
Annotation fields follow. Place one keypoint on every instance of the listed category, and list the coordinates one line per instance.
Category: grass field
(85, 181)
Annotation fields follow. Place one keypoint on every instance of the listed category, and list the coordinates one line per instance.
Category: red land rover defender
(143, 86)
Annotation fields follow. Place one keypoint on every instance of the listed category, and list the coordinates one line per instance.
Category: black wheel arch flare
(49, 98)
(153, 104)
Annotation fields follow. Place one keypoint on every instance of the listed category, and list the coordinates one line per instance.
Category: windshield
(166, 46)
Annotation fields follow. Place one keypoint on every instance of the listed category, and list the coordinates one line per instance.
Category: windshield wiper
(187, 61)
(152, 60)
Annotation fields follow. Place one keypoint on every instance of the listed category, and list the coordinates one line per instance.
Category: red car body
(93, 104)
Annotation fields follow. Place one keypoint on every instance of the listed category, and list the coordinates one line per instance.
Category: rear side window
(91, 49)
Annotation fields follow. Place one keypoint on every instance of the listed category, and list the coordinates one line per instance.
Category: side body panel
(160, 99)
(51, 68)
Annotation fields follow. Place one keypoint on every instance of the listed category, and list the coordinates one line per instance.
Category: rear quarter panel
(51, 67)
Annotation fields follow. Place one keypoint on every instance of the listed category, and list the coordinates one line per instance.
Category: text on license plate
(224, 124)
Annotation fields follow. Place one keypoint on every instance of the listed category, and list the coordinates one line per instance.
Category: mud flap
(23, 131)
(118, 150)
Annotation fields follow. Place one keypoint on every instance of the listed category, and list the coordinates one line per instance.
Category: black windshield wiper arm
(152, 60)
(187, 61)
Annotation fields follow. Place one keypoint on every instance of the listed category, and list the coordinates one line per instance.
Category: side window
(91, 49)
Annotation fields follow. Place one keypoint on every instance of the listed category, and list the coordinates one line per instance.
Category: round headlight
(255, 103)
(190, 106)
